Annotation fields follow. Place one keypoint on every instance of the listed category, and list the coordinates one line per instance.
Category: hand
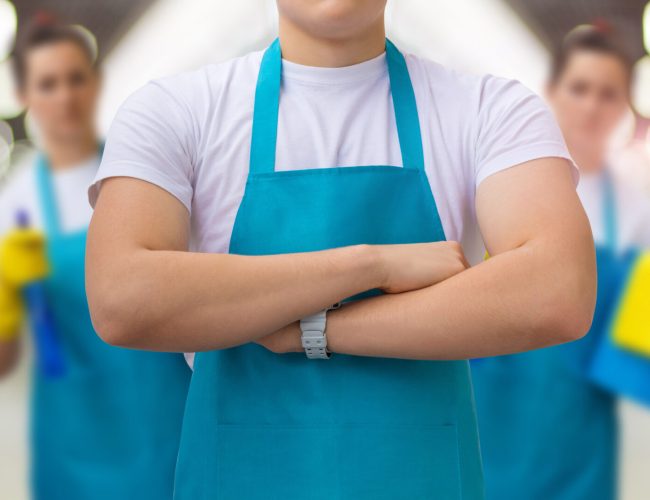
(11, 312)
(23, 257)
(418, 265)
(285, 340)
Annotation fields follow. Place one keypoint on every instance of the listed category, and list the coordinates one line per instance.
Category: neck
(69, 152)
(304, 48)
(590, 160)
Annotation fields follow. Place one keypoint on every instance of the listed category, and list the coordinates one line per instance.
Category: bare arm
(145, 290)
(538, 289)
(9, 353)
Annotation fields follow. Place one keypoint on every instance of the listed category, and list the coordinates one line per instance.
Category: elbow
(113, 313)
(110, 321)
(111, 332)
(116, 303)
(117, 288)
(567, 310)
(569, 323)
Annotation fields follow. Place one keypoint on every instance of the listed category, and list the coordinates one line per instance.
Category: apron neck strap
(406, 111)
(45, 188)
(267, 102)
(49, 209)
(609, 210)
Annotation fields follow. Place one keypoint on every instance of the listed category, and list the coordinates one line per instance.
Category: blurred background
(138, 40)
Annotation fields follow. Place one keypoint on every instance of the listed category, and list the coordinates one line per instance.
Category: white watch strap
(313, 337)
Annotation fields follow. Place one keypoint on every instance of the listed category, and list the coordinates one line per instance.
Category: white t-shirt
(190, 135)
(632, 211)
(20, 192)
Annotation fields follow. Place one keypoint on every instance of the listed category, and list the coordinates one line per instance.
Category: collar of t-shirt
(326, 76)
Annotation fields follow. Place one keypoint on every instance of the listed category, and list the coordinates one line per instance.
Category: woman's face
(60, 90)
(590, 97)
(333, 18)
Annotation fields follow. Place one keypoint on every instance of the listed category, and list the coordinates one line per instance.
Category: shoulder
(198, 90)
(20, 179)
(470, 91)
(181, 110)
(18, 192)
(634, 204)
(499, 122)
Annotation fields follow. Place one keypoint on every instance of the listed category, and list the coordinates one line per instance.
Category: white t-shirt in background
(190, 135)
(632, 211)
(20, 192)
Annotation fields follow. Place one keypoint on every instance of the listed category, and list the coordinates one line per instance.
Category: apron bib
(260, 425)
(108, 427)
(548, 431)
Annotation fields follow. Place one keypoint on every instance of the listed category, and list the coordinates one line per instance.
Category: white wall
(177, 35)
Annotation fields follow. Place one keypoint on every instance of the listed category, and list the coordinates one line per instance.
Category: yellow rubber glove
(11, 312)
(23, 257)
(632, 323)
(23, 260)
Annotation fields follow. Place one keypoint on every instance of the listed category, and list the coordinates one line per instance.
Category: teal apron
(614, 367)
(107, 427)
(547, 430)
(260, 425)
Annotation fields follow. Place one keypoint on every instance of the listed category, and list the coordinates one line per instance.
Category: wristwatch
(314, 338)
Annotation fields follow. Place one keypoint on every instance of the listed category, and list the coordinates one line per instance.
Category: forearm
(183, 301)
(9, 352)
(516, 301)
(145, 290)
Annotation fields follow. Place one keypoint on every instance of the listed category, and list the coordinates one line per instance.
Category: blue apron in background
(547, 430)
(271, 426)
(108, 427)
(616, 369)
(612, 367)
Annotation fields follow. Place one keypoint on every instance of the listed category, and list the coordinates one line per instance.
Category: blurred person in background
(548, 431)
(199, 242)
(106, 424)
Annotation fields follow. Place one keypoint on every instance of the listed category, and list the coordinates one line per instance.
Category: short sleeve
(634, 206)
(514, 125)
(18, 194)
(644, 239)
(151, 138)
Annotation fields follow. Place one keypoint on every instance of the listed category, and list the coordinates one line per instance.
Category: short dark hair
(589, 38)
(43, 31)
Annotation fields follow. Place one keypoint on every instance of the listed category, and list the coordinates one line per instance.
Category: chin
(340, 10)
(71, 133)
(332, 18)
(585, 141)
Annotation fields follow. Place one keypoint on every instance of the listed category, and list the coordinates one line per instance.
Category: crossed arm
(145, 290)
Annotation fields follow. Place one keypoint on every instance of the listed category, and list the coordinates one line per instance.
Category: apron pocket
(342, 462)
